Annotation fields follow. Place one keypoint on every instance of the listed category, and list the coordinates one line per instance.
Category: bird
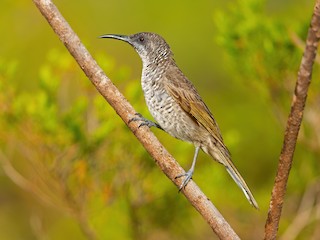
(176, 105)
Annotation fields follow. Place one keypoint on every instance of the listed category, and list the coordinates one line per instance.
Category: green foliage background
(70, 168)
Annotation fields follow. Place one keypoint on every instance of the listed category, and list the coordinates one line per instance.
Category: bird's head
(150, 46)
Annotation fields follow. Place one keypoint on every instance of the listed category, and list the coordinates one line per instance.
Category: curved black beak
(116, 36)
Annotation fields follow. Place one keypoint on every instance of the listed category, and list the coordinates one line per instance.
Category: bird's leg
(144, 121)
(189, 173)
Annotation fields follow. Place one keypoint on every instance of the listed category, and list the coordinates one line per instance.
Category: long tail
(224, 158)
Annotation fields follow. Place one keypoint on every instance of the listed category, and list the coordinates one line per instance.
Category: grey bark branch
(106, 88)
(293, 126)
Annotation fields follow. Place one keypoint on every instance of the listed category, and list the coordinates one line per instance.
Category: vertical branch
(293, 125)
(112, 95)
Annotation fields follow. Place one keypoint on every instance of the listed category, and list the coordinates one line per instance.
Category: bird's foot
(144, 121)
(188, 177)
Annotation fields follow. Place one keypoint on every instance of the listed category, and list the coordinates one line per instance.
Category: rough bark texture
(106, 88)
(293, 126)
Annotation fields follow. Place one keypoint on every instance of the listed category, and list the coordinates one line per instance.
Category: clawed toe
(138, 118)
(144, 121)
(188, 177)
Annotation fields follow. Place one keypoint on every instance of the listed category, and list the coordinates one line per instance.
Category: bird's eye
(141, 39)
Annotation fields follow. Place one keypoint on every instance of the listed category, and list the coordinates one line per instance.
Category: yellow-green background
(70, 168)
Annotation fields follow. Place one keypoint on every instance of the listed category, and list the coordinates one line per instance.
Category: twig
(306, 213)
(22, 182)
(28, 186)
(300, 44)
(293, 125)
(106, 88)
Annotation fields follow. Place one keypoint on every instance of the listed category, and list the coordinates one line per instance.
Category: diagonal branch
(293, 125)
(106, 88)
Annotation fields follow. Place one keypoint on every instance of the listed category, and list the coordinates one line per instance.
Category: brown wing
(190, 101)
